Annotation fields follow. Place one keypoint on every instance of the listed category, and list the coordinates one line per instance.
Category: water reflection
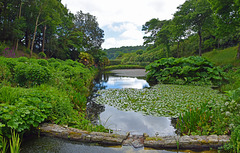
(107, 80)
(125, 82)
(122, 121)
(54, 145)
(135, 123)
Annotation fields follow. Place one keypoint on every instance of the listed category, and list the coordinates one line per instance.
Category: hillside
(113, 53)
(223, 57)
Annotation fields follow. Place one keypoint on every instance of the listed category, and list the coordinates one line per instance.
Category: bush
(192, 70)
(42, 55)
(56, 93)
(5, 73)
(42, 62)
(30, 75)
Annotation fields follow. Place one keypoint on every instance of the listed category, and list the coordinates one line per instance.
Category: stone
(137, 141)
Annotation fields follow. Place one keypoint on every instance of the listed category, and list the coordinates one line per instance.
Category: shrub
(5, 73)
(29, 75)
(42, 55)
(42, 62)
(22, 59)
(192, 70)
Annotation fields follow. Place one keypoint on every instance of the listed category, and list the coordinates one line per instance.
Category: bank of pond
(34, 91)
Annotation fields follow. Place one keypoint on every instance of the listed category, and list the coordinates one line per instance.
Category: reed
(15, 143)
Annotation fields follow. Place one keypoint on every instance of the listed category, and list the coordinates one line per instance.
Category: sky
(122, 20)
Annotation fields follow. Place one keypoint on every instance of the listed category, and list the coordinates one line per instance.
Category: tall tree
(227, 13)
(164, 36)
(48, 10)
(151, 29)
(197, 15)
(93, 35)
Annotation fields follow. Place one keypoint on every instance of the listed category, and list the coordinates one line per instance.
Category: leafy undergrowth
(160, 100)
(192, 70)
(33, 91)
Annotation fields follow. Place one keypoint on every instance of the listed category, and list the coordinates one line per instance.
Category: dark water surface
(55, 145)
(117, 120)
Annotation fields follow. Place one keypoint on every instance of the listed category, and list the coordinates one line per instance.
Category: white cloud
(131, 13)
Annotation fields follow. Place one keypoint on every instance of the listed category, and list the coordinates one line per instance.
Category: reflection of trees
(174, 124)
(100, 80)
(93, 109)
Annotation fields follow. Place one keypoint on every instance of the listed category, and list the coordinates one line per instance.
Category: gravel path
(130, 72)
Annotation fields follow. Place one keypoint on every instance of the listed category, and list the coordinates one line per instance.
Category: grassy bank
(223, 57)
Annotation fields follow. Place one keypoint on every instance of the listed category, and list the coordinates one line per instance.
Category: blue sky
(122, 20)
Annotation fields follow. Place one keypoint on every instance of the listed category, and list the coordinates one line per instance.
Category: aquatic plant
(160, 100)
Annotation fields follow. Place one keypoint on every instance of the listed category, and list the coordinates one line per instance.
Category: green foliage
(23, 111)
(42, 55)
(113, 53)
(203, 120)
(5, 73)
(56, 93)
(29, 75)
(234, 144)
(161, 100)
(3, 144)
(192, 70)
(86, 59)
(15, 143)
(223, 57)
(234, 80)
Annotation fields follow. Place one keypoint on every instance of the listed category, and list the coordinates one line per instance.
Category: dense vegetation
(48, 29)
(192, 70)
(197, 27)
(113, 53)
(33, 91)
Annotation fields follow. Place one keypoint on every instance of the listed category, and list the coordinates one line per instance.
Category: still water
(127, 121)
(54, 145)
(117, 120)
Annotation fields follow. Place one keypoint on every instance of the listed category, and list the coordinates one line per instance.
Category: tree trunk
(178, 44)
(34, 34)
(19, 16)
(238, 52)
(168, 50)
(200, 43)
(43, 42)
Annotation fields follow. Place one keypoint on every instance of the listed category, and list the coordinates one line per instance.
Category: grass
(227, 59)
(223, 57)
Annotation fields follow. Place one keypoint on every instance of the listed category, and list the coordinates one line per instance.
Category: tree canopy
(196, 27)
(48, 27)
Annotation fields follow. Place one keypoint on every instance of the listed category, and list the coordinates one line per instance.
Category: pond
(109, 116)
(127, 121)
